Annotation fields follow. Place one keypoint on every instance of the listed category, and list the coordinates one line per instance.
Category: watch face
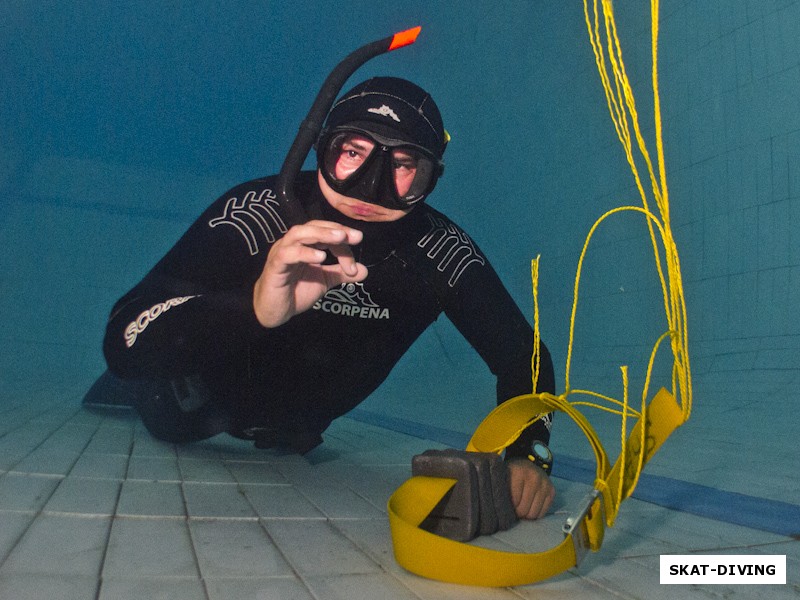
(541, 451)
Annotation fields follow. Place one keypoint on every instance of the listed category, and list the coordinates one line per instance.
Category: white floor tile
(95, 503)
(12, 526)
(111, 441)
(144, 548)
(216, 500)
(153, 468)
(60, 545)
(257, 589)
(85, 496)
(48, 462)
(208, 470)
(279, 501)
(347, 587)
(254, 472)
(25, 492)
(69, 438)
(373, 538)
(152, 589)
(568, 586)
(101, 466)
(145, 445)
(146, 498)
(315, 547)
(236, 549)
(427, 589)
(52, 587)
(339, 502)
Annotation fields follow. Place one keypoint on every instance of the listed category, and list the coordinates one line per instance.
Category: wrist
(266, 318)
(541, 456)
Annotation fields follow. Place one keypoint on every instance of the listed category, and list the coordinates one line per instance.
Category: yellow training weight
(436, 557)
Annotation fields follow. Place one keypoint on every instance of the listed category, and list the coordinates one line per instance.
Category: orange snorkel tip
(404, 38)
(312, 124)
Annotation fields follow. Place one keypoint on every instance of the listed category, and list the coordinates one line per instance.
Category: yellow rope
(622, 108)
(433, 556)
(535, 361)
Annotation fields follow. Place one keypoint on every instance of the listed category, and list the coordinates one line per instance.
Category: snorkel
(312, 124)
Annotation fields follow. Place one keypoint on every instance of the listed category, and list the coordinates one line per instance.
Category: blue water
(120, 122)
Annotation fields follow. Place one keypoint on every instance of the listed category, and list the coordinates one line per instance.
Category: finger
(525, 508)
(297, 254)
(345, 258)
(541, 501)
(322, 232)
(517, 487)
(535, 507)
(548, 502)
(336, 275)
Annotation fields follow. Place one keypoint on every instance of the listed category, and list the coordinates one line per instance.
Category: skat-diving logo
(351, 300)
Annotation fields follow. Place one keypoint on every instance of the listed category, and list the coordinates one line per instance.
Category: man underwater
(269, 330)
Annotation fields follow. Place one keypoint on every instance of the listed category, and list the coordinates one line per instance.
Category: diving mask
(362, 164)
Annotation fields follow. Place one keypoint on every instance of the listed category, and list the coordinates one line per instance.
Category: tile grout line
(262, 526)
(114, 516)
(192, 541)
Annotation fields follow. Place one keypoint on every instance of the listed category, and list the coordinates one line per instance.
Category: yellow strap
(446, 560)
(436, 557)
(663, 416)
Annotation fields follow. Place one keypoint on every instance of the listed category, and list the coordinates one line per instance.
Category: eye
(408, 163)
(352, 155)
(356, 149)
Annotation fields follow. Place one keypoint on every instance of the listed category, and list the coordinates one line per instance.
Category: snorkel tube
(312, 124)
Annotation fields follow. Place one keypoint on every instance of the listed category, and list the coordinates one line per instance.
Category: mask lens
(378, 170)
(413, 173)
(346, 154)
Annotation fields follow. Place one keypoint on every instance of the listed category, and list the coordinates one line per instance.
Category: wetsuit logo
(137, 326)
(453, 248)
(256, 218)
(547, 419)
(351, 300)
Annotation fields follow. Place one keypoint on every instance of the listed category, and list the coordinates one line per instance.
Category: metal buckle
(575, 526)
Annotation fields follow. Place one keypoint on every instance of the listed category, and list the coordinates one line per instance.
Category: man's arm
(486, 315)
(197, 301)
(236, 271)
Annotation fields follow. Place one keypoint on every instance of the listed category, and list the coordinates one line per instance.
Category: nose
(374, 182)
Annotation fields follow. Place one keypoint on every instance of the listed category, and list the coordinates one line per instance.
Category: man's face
(356, 149)
(350, 157)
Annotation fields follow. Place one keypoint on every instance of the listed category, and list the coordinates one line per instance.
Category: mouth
(362, 209)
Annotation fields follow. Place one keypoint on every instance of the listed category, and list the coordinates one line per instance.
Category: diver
(268, 329)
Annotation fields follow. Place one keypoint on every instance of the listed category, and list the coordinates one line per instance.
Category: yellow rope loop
(424, 553)
(624, 115)
(622, 107)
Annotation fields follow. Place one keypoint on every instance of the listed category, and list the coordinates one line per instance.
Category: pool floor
(92, 507)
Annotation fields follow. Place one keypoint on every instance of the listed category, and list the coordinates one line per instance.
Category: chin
(358, 209)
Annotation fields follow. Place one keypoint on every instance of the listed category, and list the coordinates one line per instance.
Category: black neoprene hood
(395, 108)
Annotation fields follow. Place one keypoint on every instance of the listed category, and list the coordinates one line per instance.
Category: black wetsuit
(193, 314)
